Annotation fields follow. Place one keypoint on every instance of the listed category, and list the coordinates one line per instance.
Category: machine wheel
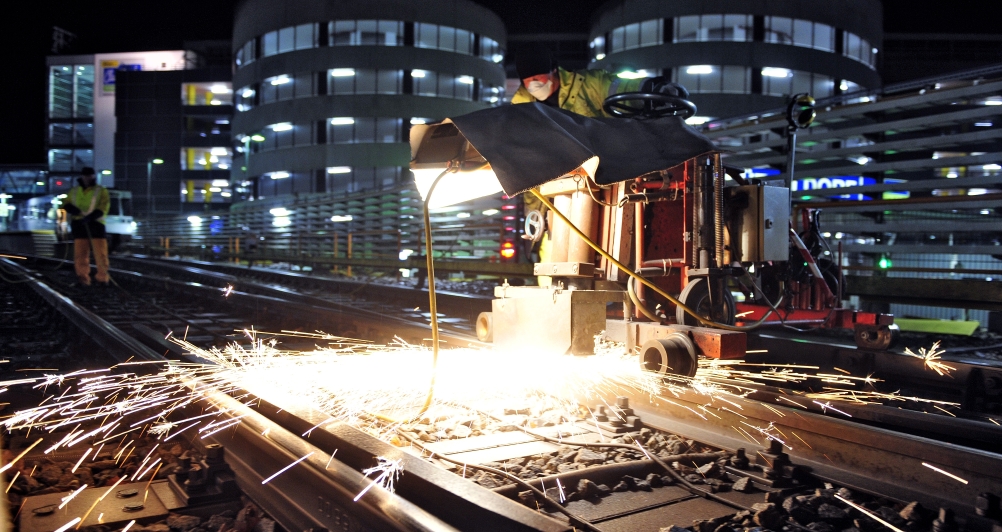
(675, 355)
(696, 296)
(485, 327)
(878, 338)
(652, 105)
(534, 223)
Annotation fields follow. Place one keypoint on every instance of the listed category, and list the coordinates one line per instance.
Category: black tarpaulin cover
(530, 144)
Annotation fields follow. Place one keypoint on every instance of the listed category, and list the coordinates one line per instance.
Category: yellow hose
(432, 304)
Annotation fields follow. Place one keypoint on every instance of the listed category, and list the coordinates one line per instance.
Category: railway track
(974, 386)
(796, 451)
(966, 404)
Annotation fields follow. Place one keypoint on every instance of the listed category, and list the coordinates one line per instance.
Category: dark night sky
(104, 26)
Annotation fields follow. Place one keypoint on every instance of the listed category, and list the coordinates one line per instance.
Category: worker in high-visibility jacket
(87, 203)
(581, 92)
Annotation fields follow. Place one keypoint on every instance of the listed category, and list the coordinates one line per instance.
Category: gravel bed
(824, 510)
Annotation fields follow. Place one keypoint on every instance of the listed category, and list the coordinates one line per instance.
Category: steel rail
(426, 496)
(120, 346)
(302, 497)
(318, 492)
(859, 457)
(451, 301)
(968, 378)
(286, 301)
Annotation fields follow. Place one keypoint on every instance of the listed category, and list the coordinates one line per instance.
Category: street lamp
(149, 183)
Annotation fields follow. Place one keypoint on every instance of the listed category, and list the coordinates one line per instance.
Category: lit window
(207, 93)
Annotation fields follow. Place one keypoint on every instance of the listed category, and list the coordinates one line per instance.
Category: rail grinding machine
(652, 193)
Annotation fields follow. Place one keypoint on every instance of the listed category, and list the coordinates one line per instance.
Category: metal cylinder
(582, 216)
(718, 210)
(560, 232)
(638, 246)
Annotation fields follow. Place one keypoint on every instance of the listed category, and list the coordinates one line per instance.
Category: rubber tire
(695, 294)
(674, 355)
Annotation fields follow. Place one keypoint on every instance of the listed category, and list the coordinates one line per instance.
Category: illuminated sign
(840, 181)
(108, 71)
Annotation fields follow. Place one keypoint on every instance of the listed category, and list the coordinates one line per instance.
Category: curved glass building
(325, 92)
(737, 56)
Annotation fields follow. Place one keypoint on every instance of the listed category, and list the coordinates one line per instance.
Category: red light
(507, 249)
(59, 183)
(510, 229)
(508, 218)
(507, 207)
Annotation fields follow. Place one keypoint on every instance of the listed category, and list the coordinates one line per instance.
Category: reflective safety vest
(88, 200)
(583, 91)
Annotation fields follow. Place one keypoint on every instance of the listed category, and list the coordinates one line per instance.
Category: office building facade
(325, 92)
(80, 110)
(738, 56)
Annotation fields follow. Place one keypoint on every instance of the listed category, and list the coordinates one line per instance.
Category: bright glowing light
(280, 211)
(215, 189)
(418, 121)
(417, 73)
(220, 183)
(986, 211)
(40, 183)
(599, 57)
(215, 102)
(220, 89)
(220, 151)
(497, 58)
(105, 172)
(258, 138)
(697, 120)
(226, 194)
(342, 121)
(157, 161)
(952, 175)
(992, 167)
(341, 218)
(338, 169)
(247, 93)
(629, 74)
(281, 126)
(462, 215)
(279, 175)
(993, 101)
(466, 80)
(490, 212)
(776, 72)
(977, 192)
(281, 80)
(342, 72)
(455, 187)
(405, 253)
(844, 85)
(224, 166)
(699, 69)
(281, 221)
(195, 220)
